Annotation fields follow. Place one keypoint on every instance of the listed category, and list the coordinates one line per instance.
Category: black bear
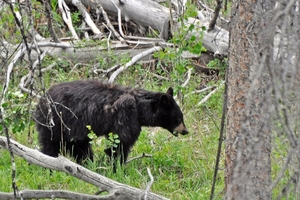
(63, 114)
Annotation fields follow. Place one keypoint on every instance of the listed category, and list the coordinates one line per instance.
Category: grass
(182, 166)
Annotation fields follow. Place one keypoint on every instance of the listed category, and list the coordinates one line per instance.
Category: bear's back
(76, 104)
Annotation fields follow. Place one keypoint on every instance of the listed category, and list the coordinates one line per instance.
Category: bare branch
(132, 61)
(145, 195)
(204, 89)
(210, 94)
(50, 19)
(20, 53)
(189, 72)
(138, 157)
(110, 26)
(131, 37)
(216, 15)
(53, 194)
(86, 16)
(63, 164)
(65, 11)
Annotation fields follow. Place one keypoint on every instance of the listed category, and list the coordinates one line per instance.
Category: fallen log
(115, 189)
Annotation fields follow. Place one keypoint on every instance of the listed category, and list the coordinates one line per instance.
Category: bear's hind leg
(50, 148)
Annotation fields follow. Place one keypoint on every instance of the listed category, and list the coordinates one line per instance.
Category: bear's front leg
(126, 125)
(81, 151)
(118, 153)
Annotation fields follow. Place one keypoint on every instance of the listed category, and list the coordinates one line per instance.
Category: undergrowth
(182, 166)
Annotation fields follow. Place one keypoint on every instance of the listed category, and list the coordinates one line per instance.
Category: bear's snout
(181, 129)
(184, 132)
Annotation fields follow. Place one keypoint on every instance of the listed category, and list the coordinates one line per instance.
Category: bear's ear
(170, 91)
(164, 101)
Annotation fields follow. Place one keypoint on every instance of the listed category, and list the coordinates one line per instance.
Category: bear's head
(168, 114)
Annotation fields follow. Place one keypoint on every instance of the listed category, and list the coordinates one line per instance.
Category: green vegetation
(182, 167)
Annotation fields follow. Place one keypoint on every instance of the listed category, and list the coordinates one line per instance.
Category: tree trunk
(248, 139)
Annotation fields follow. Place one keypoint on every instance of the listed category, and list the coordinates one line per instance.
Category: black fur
(69, 107)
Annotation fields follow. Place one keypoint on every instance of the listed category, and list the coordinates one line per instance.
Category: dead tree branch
(53, 194)
(132, 61)
(216, 15)
(116, 190)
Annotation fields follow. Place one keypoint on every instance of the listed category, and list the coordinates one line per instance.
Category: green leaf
(191, 27)
(193, 38)
(90, 135)
(5, 105)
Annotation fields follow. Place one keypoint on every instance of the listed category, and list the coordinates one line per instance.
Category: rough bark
(248, 137)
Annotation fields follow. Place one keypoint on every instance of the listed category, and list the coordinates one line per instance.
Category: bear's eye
(177, 119)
